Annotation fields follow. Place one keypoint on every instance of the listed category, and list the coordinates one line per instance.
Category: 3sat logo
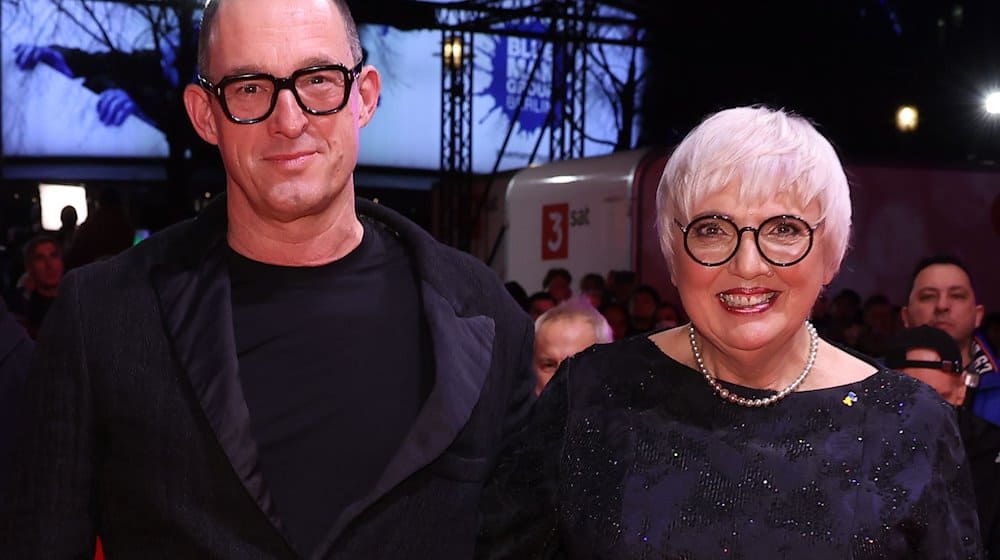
(556, 221)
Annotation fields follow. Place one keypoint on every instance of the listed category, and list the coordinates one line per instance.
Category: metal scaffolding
(568, 28)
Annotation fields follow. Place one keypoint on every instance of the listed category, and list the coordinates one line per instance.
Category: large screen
(90, 78)
(86, 78)
(406, 129)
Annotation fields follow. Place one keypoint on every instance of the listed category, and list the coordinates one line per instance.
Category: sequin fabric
(630, 454)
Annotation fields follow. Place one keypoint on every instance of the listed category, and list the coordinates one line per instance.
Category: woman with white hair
(741, 434)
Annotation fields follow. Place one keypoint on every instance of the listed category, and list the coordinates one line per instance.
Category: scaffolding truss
(566, 27)
(569, 27)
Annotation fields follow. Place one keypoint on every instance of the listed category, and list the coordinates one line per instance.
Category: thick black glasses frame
(350, 75)
(739, 238)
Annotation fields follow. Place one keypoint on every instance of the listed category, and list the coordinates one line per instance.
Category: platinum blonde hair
(763, 153)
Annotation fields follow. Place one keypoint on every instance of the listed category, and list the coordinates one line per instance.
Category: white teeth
(734, 300)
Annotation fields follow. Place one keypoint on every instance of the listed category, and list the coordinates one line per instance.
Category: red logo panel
(555, 231)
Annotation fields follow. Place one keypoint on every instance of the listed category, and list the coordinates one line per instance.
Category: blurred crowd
(869, 325)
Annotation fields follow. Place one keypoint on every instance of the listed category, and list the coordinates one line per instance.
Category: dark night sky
(846, 64)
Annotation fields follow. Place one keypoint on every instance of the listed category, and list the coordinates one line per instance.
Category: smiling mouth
(747, 300)
(289, 157)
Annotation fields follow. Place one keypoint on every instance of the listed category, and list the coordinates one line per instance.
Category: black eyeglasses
(781, 240)
(251, 98)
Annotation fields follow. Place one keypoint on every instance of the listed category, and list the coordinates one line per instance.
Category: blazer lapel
(197, 314)
(463, 350)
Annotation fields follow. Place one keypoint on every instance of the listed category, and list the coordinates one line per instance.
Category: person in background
(592, 286)
(621, 284)
(878, 325)
(941, 295)
(106, 232)
(296, 372)
(561, 332)
(67, 229)
(540, 302)
(517, 292)
(931, 355)
(559, 283)
(43, 269)
(642, 309)
(844, 321)
(617, 316)
(741, 434)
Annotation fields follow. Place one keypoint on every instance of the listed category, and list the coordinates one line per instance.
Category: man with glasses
(295, 372)
(930, 354)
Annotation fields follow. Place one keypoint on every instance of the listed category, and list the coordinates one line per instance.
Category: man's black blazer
(15, 358)
(134, 426)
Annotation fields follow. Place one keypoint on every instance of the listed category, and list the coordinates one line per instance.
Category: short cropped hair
(538, 296)
(939, 259)
(554, 273)
(40, 239)
(762, 152)
(208, 17)
(578, 308)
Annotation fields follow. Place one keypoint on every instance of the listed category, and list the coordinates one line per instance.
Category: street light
(907, 118)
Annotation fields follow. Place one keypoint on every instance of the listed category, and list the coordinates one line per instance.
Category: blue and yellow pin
(851, 398)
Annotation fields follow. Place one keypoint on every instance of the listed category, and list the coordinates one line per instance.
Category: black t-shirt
(335, 365)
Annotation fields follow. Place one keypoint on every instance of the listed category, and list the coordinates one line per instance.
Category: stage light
(992, 103)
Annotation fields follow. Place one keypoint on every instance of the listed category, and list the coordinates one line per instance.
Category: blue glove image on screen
(126, 83)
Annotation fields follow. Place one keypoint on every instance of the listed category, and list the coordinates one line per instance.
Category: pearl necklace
(763, 401)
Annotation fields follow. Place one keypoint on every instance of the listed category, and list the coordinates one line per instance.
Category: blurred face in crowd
(642, 305)
(880, 318)
(559, 288)
(557, 340)
(45, 267)
(942, 297)
(539, 306)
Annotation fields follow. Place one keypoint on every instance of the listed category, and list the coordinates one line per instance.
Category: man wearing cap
(941, 295)
(932, 356)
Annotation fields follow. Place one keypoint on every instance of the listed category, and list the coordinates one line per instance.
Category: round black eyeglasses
(781, 240)
(251, 98)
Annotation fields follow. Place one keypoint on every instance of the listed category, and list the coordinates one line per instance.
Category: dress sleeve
(519, 509)
(952, 518)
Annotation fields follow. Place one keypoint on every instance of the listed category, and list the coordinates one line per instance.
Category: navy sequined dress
(630, 454)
